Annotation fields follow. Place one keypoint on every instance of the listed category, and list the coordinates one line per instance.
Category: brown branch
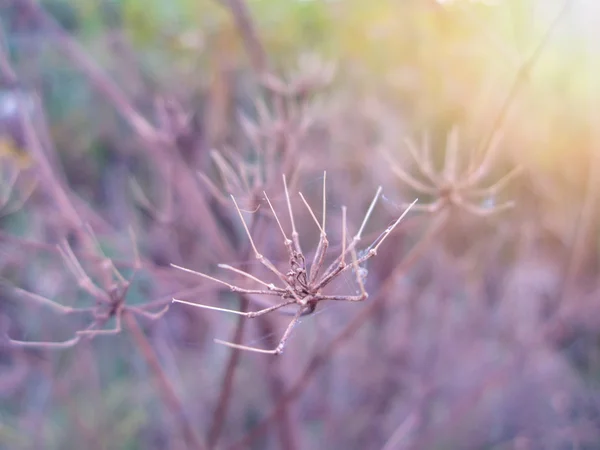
(164, 386)
(52, 182)
(285, 425)
(40, 150)
(50, 178)
(245, 25)
(78, 55)
(227, 385)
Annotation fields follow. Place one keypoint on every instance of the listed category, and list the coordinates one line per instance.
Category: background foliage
(490, 340)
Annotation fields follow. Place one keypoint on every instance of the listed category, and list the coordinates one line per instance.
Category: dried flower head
(302, 284)
(452, 186)
(109, 301)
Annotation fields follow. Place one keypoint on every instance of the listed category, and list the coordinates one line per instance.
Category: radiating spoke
(250, 314)
(498, 185)
(295, 238)
(146, 314)
(44, 344)
(277, 350)
(268, 264)
(232, 287)
(408, 178)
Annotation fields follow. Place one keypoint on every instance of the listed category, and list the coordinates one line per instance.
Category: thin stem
(324, 199)
(106, 261)
(249, 34)
(407, 178)
(276, 218)
(268, 264)
(522, 75)
(484, 167)
(148, 315)
(6, 70)
(250, 314)
(359, 278)
(319, 257)
(9, 187)
(84, 281)
(295, 238)
(233, 287)
(44, 344)
(339, 265)
(277, 382)
(434, 207)
(8, 209)
(344, 232)
(226, 389)
(286, 241)
(367, 215)
(422, 162)
(370, 252)
(402, 431)
(498, 185)
(92, 332)
(52, 182)
(165, 388)
(97, 75)
(136, 251)
(214, 190)
(228, 175)
(312, 214)
(277, 350)
(256, 252)
(43, 301)
(391, 228)
(484, 212)
(584, 223)
(270, 286)
(451, 156)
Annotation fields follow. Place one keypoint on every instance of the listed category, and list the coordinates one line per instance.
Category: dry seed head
(301, 286)
(451, 186)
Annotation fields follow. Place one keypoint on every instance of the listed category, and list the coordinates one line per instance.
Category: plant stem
(165, 389)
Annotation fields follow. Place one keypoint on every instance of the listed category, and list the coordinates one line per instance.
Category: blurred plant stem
(249, 34)
(274, 379)
(161, 145)
(521, 77)
(165, 389)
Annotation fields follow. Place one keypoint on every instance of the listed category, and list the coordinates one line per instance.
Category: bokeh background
(136, 119)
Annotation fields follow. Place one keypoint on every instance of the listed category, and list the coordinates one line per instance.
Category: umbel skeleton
(302, 285)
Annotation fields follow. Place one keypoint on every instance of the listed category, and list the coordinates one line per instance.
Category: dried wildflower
(273, 135)
(247, 175)
(451, 186)
(302, 285)
(294, 102)
(110, 301)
